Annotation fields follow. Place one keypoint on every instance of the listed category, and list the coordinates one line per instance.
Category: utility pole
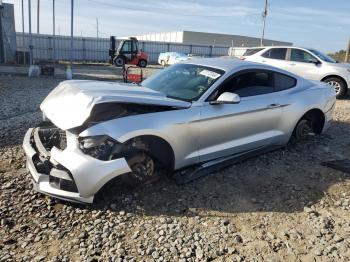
(347, 55)
(97, 27)
(264, 14)
(38, 17)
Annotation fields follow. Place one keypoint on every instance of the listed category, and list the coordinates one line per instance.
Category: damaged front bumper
(68, 173)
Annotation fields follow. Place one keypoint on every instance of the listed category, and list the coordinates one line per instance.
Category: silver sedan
(185, 119)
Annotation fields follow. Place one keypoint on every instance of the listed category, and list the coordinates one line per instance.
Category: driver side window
(247, 84)
(298, 55)
(126, 46)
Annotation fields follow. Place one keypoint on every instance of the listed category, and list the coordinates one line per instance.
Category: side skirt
(191, 173)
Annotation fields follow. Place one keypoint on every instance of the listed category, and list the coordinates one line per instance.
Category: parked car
(191, 115)
(306, 62)
(170, 58)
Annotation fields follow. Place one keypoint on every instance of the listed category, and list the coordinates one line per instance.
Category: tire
(119, 61)
(163, 63)
(143, 170)
(303, 129)
(142, 63)
(338, 85)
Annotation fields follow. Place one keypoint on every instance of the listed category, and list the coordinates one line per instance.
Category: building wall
(9, 33)
(200, 38)
(173, 37)
(190, 37)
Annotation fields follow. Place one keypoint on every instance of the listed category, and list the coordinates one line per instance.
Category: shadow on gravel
(285, 180)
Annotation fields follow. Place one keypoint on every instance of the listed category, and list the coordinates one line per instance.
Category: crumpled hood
(71, 102)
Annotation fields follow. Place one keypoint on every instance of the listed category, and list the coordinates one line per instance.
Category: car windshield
(252, 51)
(322, 56)
(183, 81)
(180, 55)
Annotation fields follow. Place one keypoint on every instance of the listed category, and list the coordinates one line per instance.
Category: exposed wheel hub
(142, 167)
(303, 129)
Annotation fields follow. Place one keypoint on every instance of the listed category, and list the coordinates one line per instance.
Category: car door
(227, 129)
(126, 50)
(303, 63)
(275, 57)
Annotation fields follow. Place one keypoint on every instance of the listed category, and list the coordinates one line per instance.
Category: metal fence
(91, 49)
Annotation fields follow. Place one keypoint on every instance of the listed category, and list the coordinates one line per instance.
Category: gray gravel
(281, 206)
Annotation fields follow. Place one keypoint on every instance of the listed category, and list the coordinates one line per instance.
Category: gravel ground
(281, 206)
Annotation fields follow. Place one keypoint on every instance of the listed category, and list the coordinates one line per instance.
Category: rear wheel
(143, 170)
(338, 85)
(119, 61)
(142, 63)
(163, 63)
(303, 129)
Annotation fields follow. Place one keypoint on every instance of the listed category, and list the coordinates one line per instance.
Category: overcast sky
(321, 24)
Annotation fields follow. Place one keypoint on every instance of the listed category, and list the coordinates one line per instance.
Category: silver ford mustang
(183, 120)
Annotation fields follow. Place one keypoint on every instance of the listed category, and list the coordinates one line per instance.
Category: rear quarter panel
(306, 96)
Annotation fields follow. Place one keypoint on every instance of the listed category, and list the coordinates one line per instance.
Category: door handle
(264, 61)
(293, 64)
(273, 105)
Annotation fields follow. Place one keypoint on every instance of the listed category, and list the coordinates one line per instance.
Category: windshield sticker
(209, 74)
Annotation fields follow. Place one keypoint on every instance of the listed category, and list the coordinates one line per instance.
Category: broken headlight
(100, 147)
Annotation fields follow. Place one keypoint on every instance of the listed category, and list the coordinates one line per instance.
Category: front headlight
(100, 147)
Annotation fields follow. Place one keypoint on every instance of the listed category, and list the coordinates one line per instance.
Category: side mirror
(227, 98)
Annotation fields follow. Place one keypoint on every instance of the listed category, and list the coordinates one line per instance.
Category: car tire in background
(163, 63)
(119, 61)
(142, 63)
(338, 85)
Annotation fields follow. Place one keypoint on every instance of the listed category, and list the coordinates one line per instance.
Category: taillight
(242, 58)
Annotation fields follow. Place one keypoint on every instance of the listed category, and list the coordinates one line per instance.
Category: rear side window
(249, 84)
(283, 82)
(276, 53)
(252, 51)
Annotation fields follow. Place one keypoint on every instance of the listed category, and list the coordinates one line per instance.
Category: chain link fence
(89, 49)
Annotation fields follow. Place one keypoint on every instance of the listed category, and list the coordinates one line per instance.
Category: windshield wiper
(177, 98)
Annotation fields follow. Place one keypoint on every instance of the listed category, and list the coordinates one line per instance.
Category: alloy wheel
(336, 85)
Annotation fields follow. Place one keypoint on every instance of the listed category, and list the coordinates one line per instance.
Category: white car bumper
(86, 175)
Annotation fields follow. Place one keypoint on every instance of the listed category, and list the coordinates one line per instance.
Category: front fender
(180, 128)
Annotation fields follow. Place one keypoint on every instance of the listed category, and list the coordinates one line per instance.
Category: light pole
(71, 32)
(53, 32)
(38, 17)
(69, 72)
(24, 53)
(2, 51)
(30, 34)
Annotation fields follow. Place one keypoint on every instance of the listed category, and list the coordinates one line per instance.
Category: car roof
(225, 63)
(279, 46)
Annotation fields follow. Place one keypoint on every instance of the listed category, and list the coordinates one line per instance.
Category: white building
(201, 38)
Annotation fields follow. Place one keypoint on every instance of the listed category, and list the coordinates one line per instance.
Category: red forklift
(128, 52)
